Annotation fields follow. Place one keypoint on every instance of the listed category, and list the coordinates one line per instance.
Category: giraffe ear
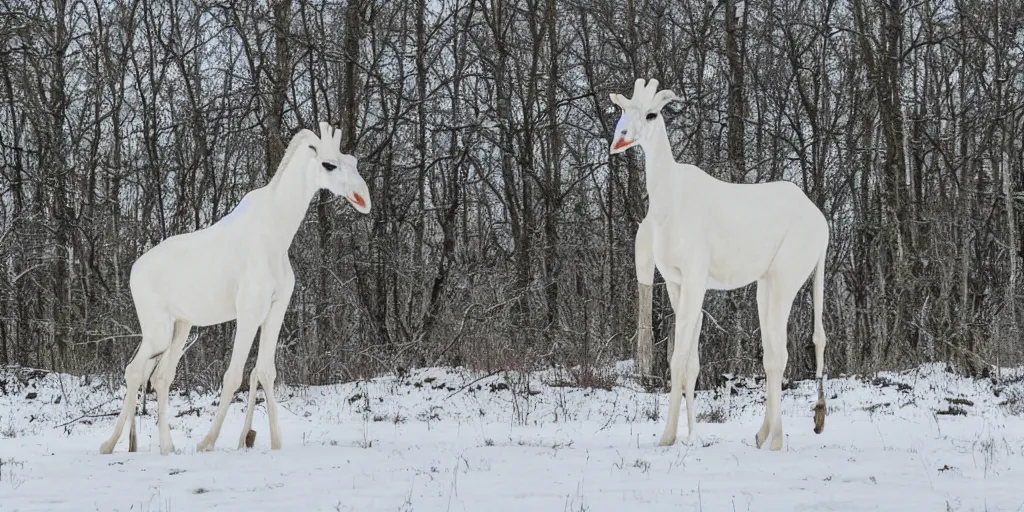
(619, 100)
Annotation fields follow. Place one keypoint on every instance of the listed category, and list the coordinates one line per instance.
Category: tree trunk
(279, 84)
(553, 180)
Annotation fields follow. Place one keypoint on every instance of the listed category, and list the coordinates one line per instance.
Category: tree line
(502, 231)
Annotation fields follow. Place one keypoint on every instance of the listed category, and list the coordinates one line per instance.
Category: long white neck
(290, 194)
(658, 164)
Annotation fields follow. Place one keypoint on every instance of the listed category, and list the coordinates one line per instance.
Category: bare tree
(502, 232)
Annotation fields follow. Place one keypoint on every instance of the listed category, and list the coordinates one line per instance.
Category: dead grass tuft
(716, 414)
(1014, 402)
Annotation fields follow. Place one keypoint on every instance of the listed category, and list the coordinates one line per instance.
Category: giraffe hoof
(106, 448)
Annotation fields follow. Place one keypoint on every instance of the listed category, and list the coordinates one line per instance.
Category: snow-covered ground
(429, 442)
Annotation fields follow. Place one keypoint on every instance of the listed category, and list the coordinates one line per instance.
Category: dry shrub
(1014, 401)
(715, 414)
(590, 377)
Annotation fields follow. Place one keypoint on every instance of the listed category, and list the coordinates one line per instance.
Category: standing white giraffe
(236, 269)
(709, 234)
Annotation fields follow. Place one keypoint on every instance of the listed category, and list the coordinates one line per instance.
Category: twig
(458, 334)
(713, 320)
(60, 380)
(964, 350)
(192, 410)
(107, 338)
(457, 391)
(607, 343)
(22, 369)
(611, 417)
(84, 416)
(191, 340)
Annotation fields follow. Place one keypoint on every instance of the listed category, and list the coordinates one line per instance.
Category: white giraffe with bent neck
(704, 233)
(236, 269)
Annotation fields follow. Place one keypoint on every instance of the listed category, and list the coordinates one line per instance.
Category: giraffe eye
(651, 116)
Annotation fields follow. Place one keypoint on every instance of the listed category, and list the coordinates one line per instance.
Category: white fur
(644, 252)
(236, 269)
(644, 257)
(708, 234)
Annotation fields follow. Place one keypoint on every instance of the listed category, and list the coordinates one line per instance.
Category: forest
(502, 230)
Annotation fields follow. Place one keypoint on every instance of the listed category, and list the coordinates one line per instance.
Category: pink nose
(358, 200)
